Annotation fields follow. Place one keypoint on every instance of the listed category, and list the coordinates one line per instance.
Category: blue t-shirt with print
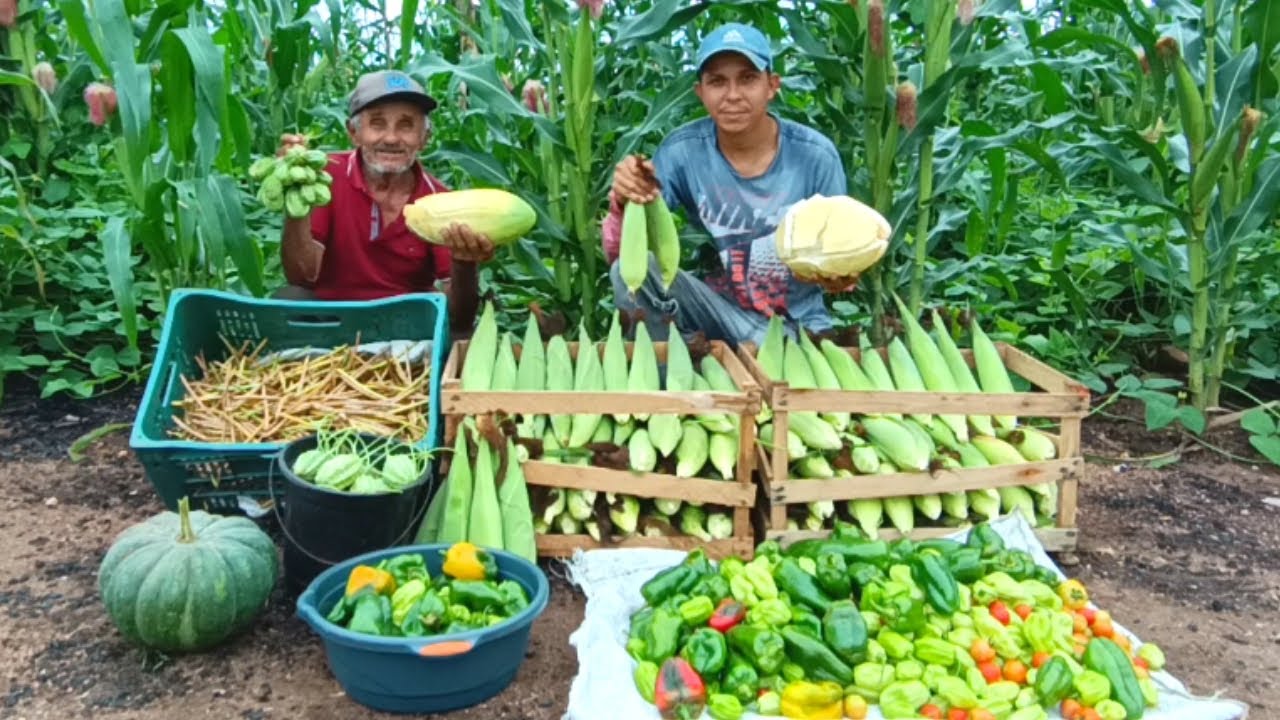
(741, 214)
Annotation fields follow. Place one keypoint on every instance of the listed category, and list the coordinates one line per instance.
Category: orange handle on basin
(447, 648)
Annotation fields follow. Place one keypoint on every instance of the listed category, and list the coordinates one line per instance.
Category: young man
(735, 173)
(358, 247)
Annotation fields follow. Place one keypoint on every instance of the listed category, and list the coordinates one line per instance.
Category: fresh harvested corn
(906, 376)
(932, 366)
(997, 451)
(897, 442)
(560, 371)
(663, 239)
(960, 372)
(901, 514)
(991, 371)
(477, 370)
(588, 377)
(1032, 444)
(505, 368)
(484, 528)
(723, 453)
(633, 252)
(615, 363)
(501, 216)
(869, 513)
(691, 454)
(642, 455)
(457, 509)
(643, 376)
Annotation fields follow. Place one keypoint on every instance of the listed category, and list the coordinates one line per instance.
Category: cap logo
(733, 36)
(397, 82)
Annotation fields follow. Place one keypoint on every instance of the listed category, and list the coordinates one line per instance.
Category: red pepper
(1000, 612)
(727, 614)
(680, 693)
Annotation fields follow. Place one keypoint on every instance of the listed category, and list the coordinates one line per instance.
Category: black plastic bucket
(323, 527)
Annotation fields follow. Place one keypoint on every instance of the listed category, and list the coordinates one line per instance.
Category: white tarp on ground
(611, 580)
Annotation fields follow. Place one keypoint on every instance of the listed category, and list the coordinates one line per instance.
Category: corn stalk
(881, 134)
(941, 16)
(578, 70)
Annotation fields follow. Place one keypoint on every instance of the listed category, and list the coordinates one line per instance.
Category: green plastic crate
(216, 475)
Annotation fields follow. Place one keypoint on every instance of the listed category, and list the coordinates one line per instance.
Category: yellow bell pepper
(364, 575)
(803, 700)
(464, 561)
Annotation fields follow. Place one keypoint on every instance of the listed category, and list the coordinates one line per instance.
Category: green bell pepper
(759, 573)
(405, 598)
(1002, 691)
(770, 550)
(514, 598)
(792, 672)
(1092, 687)
(935, 651)
(842, 530)
(763, 647)
(965, 564)
(844, 631)
(773, 613)
(908, 670)
(1015, 563)
(662, 635)
(818, 661)
(476, 595)
(370, 613)
(1048, 631)
(946, 547)
(940, 589)
(707, 651)
(1031, 712)
(724, 707)
(873, 676)
(863, 574)
(986, 539)
(696, 611)
(675, 579)
(645, 677)
(731, 566)
(1042, 595)
(895, 644)
(740, 589)
(833, 575)
(769, 703)
(425, 617)
(957, 693)
(903, 699)
(1111, 710)
(800, 586)
(742, 681)
(892, 601)
(805, 621)
(714, 586)
(1053, 681)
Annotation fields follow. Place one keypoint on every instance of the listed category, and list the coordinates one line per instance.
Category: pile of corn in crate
(617, 456)
(911, 439)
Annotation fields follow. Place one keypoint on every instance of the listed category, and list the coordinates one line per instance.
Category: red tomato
(931, 711)
(990, 671)
(1000, 612)
(1023, 610)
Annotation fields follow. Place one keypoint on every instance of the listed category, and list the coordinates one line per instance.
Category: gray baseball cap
(388, 85)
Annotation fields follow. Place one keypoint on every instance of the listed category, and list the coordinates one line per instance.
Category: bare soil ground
(1187, 555)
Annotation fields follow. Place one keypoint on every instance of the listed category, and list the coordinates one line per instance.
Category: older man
(358, 247)
(735, 173)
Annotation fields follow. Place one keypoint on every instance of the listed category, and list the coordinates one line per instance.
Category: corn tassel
(960, 372)
(992, 374)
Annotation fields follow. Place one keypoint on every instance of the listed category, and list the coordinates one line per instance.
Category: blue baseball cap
(736, 37)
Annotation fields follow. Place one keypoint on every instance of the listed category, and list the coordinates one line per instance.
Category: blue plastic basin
(427, 674)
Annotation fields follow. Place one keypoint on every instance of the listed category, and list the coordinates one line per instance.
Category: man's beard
(377, 169)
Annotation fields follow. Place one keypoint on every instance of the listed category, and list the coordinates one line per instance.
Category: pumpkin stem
(186, 535)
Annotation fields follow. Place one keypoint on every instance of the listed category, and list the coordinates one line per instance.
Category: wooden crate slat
(1021, 404)
(788, 492)
(570, 402)
(564, 546)
(1052, 538)
(649, 485)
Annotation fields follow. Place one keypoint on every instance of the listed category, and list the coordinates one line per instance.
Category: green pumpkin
(187, 581)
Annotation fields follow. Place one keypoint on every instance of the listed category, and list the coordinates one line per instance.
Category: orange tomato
(981, 651)
(1090, 714)
(981, 714)
(931, 711)
(1015, 671)
(1103, 628)
(1089, 613)
(1079, 625)
(1023, 610)
(1123, 641)
(1071, 709)
(990, 671)
(1141, 663)
(1000, 612)
(1040, 659)
(957, 714)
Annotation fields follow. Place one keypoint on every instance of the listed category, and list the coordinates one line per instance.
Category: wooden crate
(739, 494)
(1058, 398)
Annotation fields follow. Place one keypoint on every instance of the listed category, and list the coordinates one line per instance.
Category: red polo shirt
(363, 259)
